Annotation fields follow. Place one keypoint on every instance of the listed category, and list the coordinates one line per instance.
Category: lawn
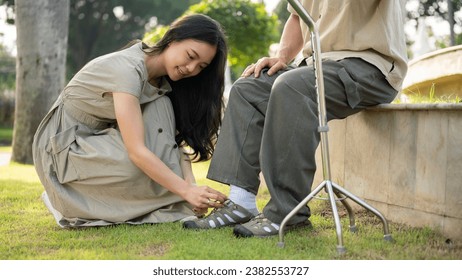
(28, 232)
(6, 134)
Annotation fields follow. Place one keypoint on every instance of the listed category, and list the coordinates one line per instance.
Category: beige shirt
(121, 71)
(80, 156)
(368, 29)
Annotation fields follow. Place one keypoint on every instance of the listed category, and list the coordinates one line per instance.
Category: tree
(42, 28)
(250, 30)
(98, 27)
(101, 26)
(440, 8)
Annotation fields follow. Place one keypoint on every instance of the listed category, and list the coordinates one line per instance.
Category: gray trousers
(271, 123)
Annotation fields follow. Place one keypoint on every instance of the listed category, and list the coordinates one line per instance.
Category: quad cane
(334, 191)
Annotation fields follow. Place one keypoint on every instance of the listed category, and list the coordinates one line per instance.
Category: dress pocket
(61, 144)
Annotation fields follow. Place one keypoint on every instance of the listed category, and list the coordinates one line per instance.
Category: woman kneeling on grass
(111, 149)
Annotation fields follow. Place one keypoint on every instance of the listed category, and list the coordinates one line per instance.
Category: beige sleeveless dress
(80, 157)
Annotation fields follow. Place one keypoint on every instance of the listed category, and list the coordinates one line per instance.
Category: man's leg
(236, 158)
(291, 136)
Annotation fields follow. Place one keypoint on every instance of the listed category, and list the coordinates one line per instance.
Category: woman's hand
(273, 63)
(204, 197)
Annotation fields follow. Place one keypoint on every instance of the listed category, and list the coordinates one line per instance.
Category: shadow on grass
(28, 231)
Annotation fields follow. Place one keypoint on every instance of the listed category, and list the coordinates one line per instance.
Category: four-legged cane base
(331, 188)
(342, 194)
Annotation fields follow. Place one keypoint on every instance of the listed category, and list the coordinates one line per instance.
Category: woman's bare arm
(130, 121)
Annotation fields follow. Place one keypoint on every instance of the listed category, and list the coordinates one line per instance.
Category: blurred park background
(43, 43)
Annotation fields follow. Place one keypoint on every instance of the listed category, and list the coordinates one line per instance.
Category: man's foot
(260, 226)
(229, 215)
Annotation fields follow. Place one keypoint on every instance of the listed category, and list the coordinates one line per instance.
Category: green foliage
(444, 42)
(155, 35)
(6, 135)
(249, 28)
(95, 29)
(7, 70)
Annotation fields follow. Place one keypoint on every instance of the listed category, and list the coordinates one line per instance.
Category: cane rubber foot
(353, 229)
(341, 250)
(388, 238)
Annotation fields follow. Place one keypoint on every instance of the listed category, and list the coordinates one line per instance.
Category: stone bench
(438, 72)
(403, 159)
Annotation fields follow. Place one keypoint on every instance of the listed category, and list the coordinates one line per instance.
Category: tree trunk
(452, 35)
(42, 29)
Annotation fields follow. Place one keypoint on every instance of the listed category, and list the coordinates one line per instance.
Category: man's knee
(292, 83)
(251, 89)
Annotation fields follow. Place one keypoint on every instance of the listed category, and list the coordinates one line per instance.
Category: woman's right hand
(273, 63)
(203, 197)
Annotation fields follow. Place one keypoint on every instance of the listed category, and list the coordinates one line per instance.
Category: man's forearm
(291, 42)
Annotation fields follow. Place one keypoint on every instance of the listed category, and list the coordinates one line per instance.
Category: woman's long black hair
(197, 101)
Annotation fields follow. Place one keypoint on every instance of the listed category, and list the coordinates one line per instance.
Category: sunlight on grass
(430, 97)
(28, 231)
(200, 172)
(5, 149)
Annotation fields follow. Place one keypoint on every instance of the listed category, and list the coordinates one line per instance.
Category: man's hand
(273, 63)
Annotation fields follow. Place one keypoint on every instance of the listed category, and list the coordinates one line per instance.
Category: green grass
(430, 97)
(28, 232)
(6, 134)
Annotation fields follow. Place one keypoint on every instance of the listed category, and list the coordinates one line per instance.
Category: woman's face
(187, 58)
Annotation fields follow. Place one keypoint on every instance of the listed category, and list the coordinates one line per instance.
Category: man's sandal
(260, 226)
(229, 215)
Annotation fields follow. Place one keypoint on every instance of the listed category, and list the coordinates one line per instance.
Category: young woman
(112, 148)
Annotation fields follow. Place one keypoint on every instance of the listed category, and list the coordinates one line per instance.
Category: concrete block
(431, 161)
(367, 155)
(453, 191)
(403, 158)
(414, 217)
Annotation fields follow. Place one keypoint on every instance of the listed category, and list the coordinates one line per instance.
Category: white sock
(244, 198)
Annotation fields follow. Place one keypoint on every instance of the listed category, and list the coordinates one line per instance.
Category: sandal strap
(228, 215)
(260, 226)
(262, 222)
